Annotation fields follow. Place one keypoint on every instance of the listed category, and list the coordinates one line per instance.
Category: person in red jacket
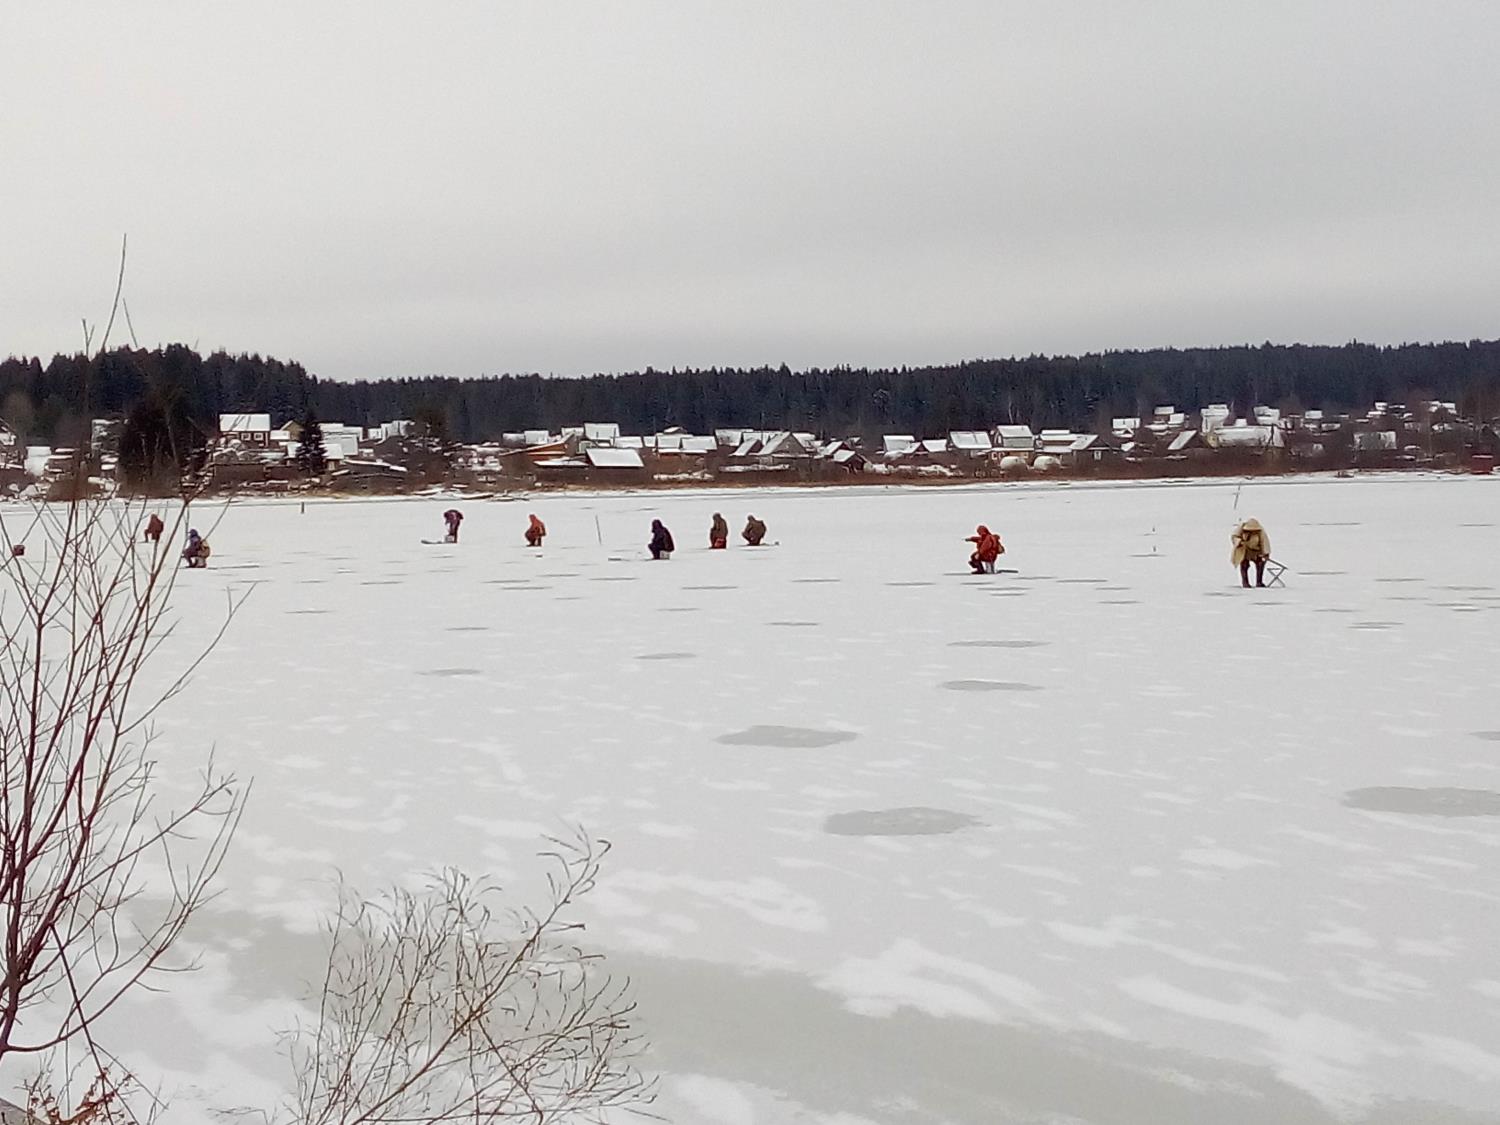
(536, 531)
(987, 548)
(452, 518)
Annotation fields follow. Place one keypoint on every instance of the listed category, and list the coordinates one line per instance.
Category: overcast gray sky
(382, 189)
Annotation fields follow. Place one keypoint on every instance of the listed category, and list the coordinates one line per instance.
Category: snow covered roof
(535, 437)
(600, 457)
(934, 445)
(843, 456)
(694, 444)
(627, 441)
(244, 423)
(746, 447)
(601, 431)
(1015, 437)
(898, 443)
(785, 444)
(970, 441)
(1182, 441)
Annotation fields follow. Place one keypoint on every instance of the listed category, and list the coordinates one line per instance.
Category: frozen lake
(1106, 840)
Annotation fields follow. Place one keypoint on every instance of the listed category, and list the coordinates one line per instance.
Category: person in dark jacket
(718, 533)
(452, 517)
(661, 541)
(196, 553)
(755, 531)
(154, 528)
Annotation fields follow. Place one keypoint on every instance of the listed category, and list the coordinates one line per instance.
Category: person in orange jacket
(536, 531)
(987, 548)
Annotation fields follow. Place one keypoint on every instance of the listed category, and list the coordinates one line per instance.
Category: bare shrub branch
(98, 873)
(441, 1004)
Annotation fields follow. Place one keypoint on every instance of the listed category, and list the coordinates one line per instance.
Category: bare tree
(98, 873)
(441, 1005)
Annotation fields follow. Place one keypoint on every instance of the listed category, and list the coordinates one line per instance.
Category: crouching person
(661, 544)
(196, 553)
(987, 548)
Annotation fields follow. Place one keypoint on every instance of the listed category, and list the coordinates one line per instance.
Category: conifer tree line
(170, 397)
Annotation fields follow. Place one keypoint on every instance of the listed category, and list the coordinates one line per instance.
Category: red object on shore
(1481, 464)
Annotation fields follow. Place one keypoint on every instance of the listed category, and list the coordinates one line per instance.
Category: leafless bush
(442, 1005)
(98, 873)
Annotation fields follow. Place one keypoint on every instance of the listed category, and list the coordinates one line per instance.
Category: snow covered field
(1107, 840)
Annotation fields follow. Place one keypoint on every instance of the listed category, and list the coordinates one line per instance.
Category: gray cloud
(383, 189)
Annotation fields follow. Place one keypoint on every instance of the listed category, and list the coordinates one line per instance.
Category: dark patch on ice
(792, 738)
(1476, 525)
(816, 580)
(1217, 594)
(1467, 588)
(1488, 735)
(380, 582)
(1404, 598)
(911, 821)
(1333, 609)
(1425, 802)
(313, 581)
(1145, 555)
(989, 685)
(1113, 589)
(794, 624)
(1398, 580)
(1118, 601)
(1080, 581)
(614, 578)
(307, 611)
(559, 574)
(911, 583)
(1007, 593)
(467, 629)
(710, 587)
(450, 672)
(668, 656)
(1376, 625)
(521, 589)
(997, 644)
(679, 609)
(568, 598)
(1034, 578)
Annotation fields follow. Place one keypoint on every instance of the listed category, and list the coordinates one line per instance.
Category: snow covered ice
(1106, 840)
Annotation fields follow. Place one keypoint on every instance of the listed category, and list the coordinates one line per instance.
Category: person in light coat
(1251, 545)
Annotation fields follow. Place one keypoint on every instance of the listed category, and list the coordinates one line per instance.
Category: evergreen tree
(311, 457)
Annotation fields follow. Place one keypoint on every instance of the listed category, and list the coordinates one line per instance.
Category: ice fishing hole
(990, 685)
(791, 738)
(1425, 802)
(913, 821)
(996, 644)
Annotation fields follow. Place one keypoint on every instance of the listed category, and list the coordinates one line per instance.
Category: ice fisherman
(718, 533)
(154, 528)
(661, 541)
(1251, 545)
(196, 553)
(536, 531)
(452, 517)
(755, 531)
(987, 548)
